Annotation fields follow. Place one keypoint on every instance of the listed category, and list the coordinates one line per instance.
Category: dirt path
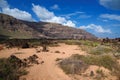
(49, 70)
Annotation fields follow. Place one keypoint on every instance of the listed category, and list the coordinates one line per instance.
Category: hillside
(11, 27)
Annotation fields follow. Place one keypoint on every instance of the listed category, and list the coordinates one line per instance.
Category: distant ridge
(11, 27)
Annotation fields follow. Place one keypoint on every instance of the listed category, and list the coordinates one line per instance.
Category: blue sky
(99, 17)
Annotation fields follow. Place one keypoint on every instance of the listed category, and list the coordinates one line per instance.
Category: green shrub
(100, 50)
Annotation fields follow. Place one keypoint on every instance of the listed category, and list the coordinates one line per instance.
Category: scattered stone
(42, 62)
(91, 73)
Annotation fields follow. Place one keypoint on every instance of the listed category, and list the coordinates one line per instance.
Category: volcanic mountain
(11, 27)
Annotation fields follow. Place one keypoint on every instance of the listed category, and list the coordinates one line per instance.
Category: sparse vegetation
(81, 42)
(71, 42)
(10, 71)
(105, 61)
(100, 50)
(105, 55)
(73, 66)
(100, 75)
(100, 72)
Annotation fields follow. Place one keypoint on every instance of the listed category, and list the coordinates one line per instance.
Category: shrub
(106, 61)
(25, 45)
(57, 51)
(71, 66)
(58, 59)
(100, 50)
(9, 70)
(45, 48)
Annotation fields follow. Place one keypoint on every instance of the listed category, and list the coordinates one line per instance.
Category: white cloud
(22, 15)
(47, 16)
(19, 14)
(56, 19)
(72, 14)
(111, 4)
(55, 7)
(3, 4)
(42, 12)
(69, 23)
(78, 14)
(96, 28)
(110, 16)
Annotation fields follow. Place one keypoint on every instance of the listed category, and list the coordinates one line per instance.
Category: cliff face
(15, 28)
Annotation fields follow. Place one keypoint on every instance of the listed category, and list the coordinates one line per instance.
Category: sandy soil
(49, 70)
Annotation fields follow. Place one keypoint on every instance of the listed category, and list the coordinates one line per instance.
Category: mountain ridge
(14, 28)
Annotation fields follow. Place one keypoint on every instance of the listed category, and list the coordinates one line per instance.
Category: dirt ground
(49, 70)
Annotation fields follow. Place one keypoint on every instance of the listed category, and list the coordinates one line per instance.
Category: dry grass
(76, 64)
(80, 42)
(71, 66)
(106, 61)
(98, 50)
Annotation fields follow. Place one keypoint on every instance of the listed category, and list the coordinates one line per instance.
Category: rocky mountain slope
(11, 27)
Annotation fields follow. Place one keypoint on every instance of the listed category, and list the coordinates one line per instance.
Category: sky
(99, 17)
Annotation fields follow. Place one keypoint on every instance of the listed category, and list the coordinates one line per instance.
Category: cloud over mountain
(96, 28)
(15, 12)
(45, 15)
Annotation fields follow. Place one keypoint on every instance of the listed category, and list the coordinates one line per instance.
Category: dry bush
(9, 70)
(57, 51)
(58, 59)
(1, 47)
(71, 66)
(79, 63)
(106, 61)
